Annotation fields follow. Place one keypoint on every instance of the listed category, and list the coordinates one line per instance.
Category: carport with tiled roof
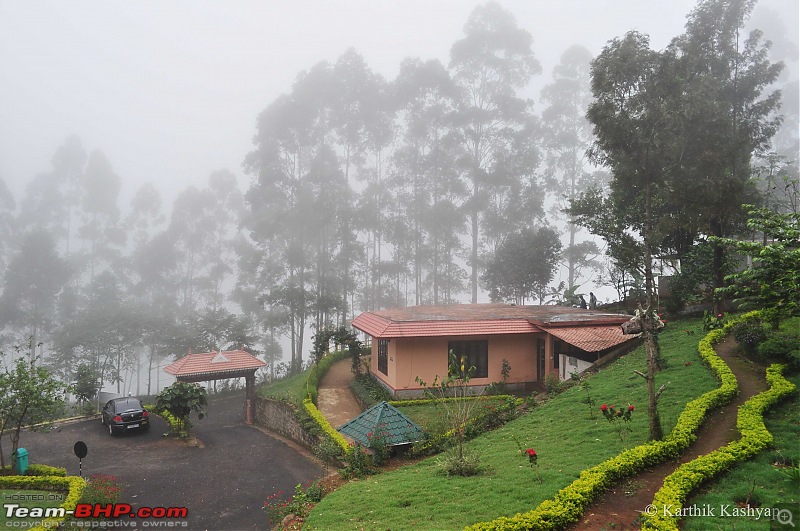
(208, 366)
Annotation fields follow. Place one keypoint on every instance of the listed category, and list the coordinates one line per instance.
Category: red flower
(603, 407)
(630, 407)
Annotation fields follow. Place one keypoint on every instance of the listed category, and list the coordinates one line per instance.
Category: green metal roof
(382, 418)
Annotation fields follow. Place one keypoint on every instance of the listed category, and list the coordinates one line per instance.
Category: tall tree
(100, 226)
(523, 265)
(727, 105)
(32, 283)
(426, 189)
(567, 136)
(638, 139)
(490, 65)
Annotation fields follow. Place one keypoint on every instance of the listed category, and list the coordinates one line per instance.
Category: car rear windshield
(127, 405)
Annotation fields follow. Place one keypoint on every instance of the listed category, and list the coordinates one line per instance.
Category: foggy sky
(170, 91)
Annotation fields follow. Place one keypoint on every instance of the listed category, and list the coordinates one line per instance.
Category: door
(540, 359)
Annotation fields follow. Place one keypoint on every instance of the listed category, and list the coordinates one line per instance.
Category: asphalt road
(223, 484)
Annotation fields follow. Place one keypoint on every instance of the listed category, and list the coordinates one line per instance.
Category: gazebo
(207, 366)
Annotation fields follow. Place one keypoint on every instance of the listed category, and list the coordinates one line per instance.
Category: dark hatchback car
(124, 414)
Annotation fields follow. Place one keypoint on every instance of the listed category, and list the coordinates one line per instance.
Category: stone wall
(281, 418)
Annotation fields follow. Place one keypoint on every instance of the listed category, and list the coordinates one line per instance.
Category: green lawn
(292, 389)
(566, 437)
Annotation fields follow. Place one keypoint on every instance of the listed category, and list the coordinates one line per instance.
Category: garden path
(620, 506)
(335, 399)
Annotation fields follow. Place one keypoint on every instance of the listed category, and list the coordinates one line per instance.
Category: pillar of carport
(249, 397)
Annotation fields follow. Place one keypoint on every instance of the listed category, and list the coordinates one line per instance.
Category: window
(475, 353)
(383, 356)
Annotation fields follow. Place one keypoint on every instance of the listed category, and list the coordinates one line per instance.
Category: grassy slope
(292, 389)
(566, 438)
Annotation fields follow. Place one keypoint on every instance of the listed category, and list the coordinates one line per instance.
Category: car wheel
(110, 429)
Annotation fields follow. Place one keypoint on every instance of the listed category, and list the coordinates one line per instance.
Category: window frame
(476, 352)
(383, 356)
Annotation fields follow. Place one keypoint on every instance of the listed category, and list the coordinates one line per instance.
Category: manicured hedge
(569, 504)
(755, 438)
(72, 485)
(324, 425)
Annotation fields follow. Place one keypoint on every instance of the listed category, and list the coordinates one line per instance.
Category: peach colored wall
(426, 357)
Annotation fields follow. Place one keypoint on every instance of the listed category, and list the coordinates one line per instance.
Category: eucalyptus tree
(52, 201)
(362, 119)
(293, 202)
(100, 227)
(32, 283)
(490, 65)
(426, 188)
(7, 225)
(728, 105)
(566, 138)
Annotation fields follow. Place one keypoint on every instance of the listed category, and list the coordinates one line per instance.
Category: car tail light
(145, 414)
(117, 419)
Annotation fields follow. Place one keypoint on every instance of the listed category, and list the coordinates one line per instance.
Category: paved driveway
(223, 484)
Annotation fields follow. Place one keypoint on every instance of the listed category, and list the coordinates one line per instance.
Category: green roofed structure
(382, 418)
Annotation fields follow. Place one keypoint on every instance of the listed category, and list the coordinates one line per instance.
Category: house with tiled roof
(415, 342)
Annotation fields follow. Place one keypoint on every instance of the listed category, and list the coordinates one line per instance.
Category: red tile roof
(477, 319)
(591, 338)
(207, 363)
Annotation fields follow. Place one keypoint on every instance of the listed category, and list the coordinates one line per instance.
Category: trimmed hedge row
(72, 485)
(755, 438)
(324, 425)
(35, 469)
(569, 504)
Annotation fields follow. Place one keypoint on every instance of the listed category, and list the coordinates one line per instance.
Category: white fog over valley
(201, 175)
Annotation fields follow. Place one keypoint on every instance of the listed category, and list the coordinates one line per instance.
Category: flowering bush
(713, 322)
(101, 489)
(379, 444)
(619, 418)
(532, 457)
(299, 504)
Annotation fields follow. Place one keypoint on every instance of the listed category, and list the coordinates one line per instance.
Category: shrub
(781, 348)
(553, 384)
(749, 333)
(101, 489)
(459, 463)
(358, 463)
(299, 504)
(368, 390)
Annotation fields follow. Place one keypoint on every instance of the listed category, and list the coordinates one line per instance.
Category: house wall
(570, 364)
(427, 357)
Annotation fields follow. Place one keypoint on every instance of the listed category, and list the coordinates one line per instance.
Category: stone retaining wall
(281, 418)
